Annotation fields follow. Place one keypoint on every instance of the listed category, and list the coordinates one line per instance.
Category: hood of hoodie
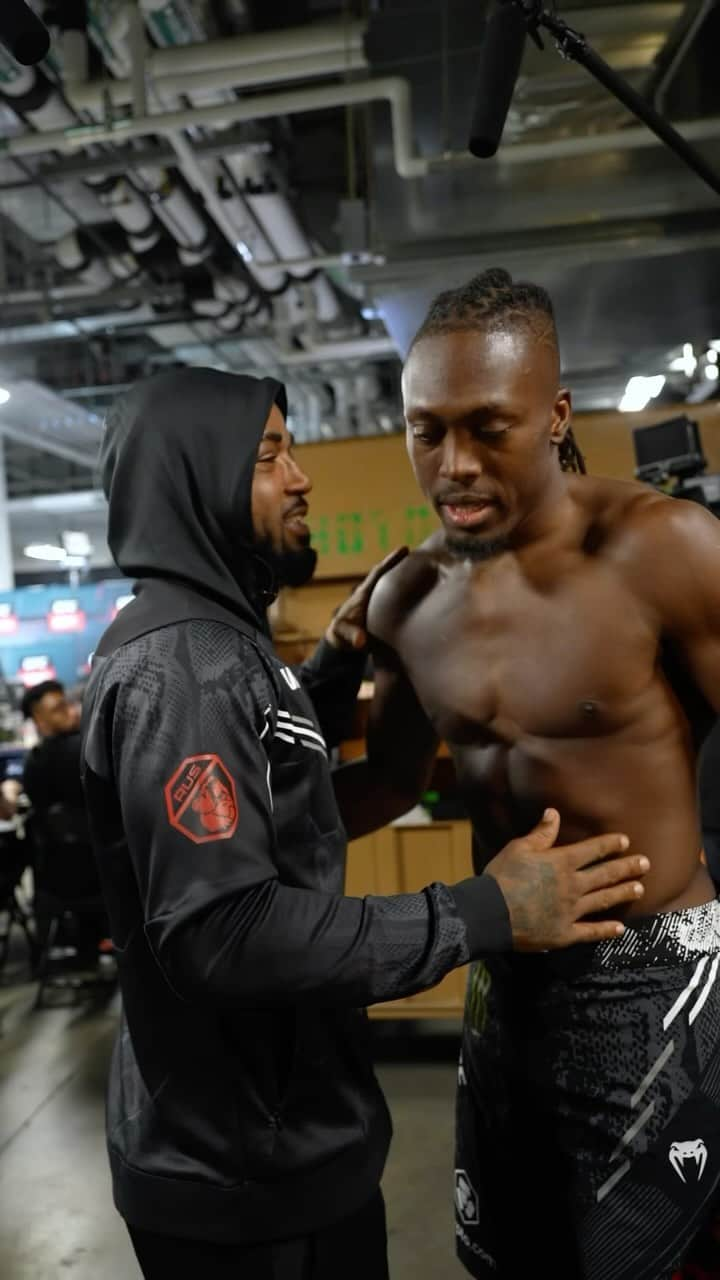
(177, 463)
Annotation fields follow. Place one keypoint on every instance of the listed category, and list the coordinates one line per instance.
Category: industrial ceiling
(281, 187)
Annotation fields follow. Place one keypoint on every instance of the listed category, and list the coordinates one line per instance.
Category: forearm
(332, 678)
(276, 944)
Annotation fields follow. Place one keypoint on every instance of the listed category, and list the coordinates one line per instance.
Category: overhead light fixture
(244, 250)
(4, 395)
(44, 551)
(640, 391)
(712, 372)
(690, 359)
(686, 363)
(76, 543)
(711, 356)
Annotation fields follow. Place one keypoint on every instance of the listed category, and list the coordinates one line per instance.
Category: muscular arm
(401, 750)
(401, 742)
(683, 564)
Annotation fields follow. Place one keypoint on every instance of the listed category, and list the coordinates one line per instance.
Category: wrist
(481, 905)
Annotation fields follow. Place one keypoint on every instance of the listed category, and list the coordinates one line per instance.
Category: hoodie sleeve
(191, 771)
(332, 678)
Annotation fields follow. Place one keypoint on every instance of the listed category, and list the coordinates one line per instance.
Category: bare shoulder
(662, 542)
(651, 520)
(401, 589)
(632, 516)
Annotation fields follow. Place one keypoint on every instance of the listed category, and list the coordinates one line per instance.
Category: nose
(461, 458)
(296, 480)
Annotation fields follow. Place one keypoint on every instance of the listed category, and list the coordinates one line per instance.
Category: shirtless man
(528, 635)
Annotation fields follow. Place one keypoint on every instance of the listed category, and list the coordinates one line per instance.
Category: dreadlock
(493, 300)
(571, 456)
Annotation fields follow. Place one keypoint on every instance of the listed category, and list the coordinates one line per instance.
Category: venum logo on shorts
(682, 1153)
(201, 800)
(466, 1200)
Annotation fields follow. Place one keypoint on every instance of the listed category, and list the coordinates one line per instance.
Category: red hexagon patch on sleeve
(201, 800)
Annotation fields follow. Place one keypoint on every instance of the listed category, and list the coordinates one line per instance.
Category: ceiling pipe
(255, 47)
(92, 95)
(327, 352)
(390, 89)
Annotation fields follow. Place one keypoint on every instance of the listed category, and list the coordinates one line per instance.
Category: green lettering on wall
(378, 520)
(321, 535)
(419, 524)
(349, 535)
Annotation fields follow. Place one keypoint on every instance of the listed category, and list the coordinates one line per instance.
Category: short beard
(477, 549)
(291, 568)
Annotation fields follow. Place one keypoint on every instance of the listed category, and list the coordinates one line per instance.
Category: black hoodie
(242, 1102)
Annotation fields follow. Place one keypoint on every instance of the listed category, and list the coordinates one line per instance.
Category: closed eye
(488, 433)
(428, 435)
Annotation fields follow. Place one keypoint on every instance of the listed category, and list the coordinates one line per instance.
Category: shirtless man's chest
(497, 657)
(545, 682)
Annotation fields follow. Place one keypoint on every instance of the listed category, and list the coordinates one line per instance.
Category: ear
(561, 415)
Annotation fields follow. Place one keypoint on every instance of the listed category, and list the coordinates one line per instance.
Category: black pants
(353, 1249)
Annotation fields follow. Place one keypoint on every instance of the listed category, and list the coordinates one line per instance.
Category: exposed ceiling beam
(82, 500)
(48, 445)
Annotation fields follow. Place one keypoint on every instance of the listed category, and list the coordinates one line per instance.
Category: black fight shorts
(588, 1109)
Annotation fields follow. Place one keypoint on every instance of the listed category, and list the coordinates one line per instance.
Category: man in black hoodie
(247, 1133)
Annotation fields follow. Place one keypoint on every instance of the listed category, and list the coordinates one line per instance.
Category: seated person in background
(65, 866)
(52, 769)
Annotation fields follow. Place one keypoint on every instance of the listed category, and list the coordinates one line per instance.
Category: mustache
(297, 509)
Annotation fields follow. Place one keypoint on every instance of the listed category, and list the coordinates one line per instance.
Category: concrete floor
(56, 1213)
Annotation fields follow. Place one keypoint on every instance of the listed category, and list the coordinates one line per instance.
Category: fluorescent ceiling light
(711, 372)
(44, 551)
(4, 395)
(640, 391)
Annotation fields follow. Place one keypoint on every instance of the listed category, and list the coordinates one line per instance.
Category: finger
(375, 574)
(544, 833)
(605, 899)
(586, 852)
(610, 873)
(349, 635)
(598, 931)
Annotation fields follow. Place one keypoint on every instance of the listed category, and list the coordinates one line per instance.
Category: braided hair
(493, 300)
